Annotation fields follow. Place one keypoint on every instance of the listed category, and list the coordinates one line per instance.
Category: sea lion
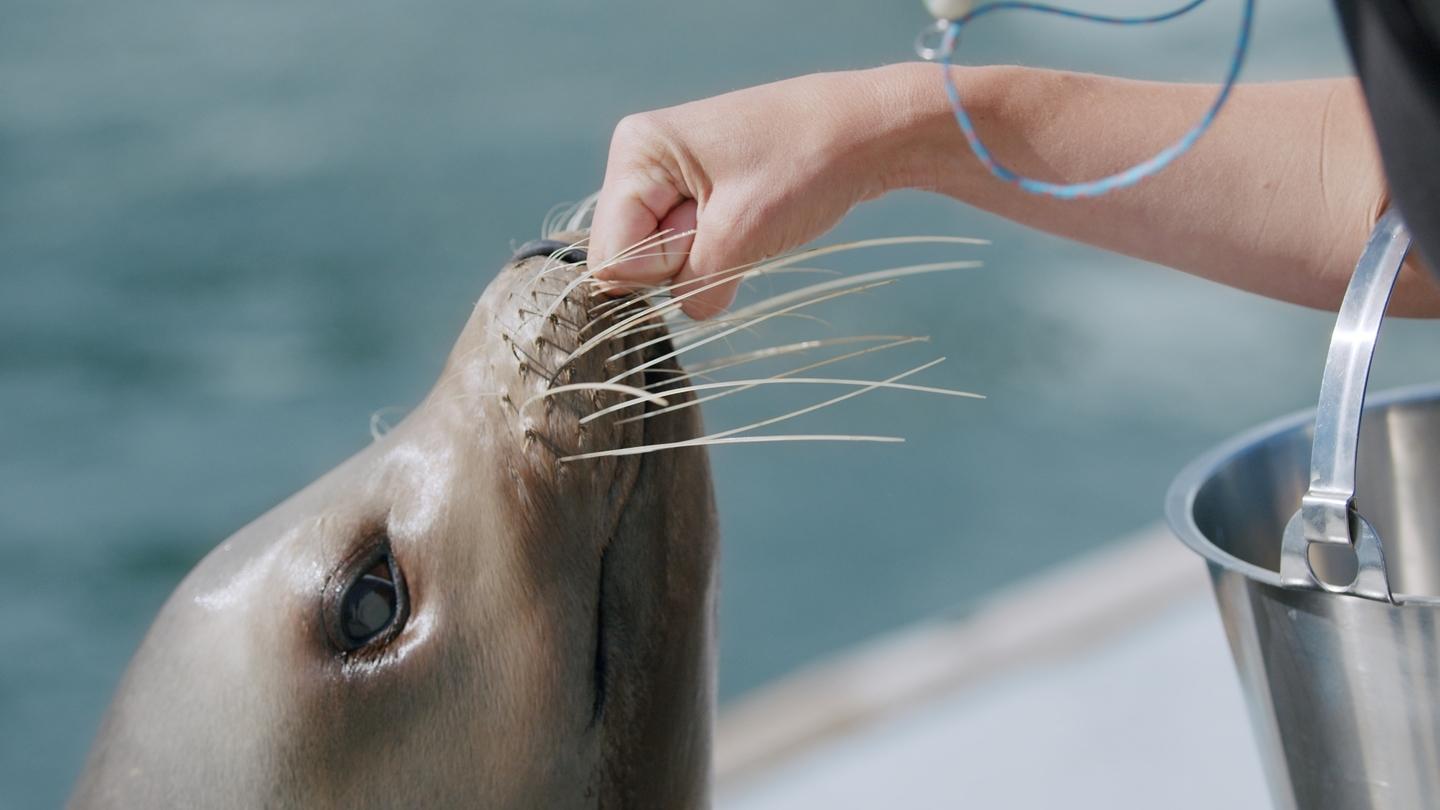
(453, 617)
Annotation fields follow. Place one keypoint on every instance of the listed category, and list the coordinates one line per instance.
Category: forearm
(1277, 198)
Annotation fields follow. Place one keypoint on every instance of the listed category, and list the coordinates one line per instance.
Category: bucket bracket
(1327, 513)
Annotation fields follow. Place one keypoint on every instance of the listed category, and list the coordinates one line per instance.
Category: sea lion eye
(366, 602)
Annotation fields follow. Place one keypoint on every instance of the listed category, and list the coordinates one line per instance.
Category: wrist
(915, 142)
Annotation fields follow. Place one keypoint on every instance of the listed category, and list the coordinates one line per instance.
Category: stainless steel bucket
(1326, 567)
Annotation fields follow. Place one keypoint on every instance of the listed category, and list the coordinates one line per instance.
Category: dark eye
(367, 601)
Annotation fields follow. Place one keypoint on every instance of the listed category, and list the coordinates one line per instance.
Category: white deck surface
(1146, 714)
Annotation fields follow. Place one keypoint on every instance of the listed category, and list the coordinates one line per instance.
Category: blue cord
(1122, 179)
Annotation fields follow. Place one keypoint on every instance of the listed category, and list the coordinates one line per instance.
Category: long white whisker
(730, 361)
(552, 263)
(666, 291)
(707, 441)
(645, 292)
(801, 370)
(677, 375)
(827, 403)
(594, 386)
(747, 325)
(789, 348)
(761, 381)
(671, 304)
(733, 329)
(767, 266)
(655, 240)
(592, 270)
(790, 259)
(581, 212)
(549, 265)
(757, 269)
(841, 283)
(547, 224)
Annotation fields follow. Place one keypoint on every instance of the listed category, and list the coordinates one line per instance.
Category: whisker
(529, 287)
(842, 283)
(773, 265)
(706, 442)
(661, 237)
(787, 262)
(671, 304)
(648, 290)
(747, 384)
(756, 320)
(552, 262)
(674, 332)
(530, 360)
(883, 241)
(832, 401)
(536, 314)
(784, 375)
(747, 326)
(770, 266)
(641, 316)
(550, 224)
(579, 218)
(592, 270)
(594, 386)
(535, 435)
(730, 361)
(789, 348)
(644, 293)
(766, 266)
(677, 375)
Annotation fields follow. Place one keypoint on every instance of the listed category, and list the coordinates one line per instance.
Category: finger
(657, 259)
(628, 209)
(711, 302)
(724, 246)
(709, 260)
(661, 258)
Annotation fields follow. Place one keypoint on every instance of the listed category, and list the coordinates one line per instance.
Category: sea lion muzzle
(453, 603)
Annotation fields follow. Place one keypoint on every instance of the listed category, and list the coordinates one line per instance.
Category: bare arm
(1277, 198)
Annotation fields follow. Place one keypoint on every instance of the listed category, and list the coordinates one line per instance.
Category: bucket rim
(1180, 498)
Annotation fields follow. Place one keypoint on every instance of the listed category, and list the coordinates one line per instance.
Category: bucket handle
(1327, 512)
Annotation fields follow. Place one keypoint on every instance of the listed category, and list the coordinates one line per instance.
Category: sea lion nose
(547, 247)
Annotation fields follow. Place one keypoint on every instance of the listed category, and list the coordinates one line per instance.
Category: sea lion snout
(462, 614)
(566, 360)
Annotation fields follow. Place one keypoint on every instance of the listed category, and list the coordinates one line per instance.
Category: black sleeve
(1396, 48)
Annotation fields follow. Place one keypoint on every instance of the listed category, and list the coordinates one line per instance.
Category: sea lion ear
(548, 247)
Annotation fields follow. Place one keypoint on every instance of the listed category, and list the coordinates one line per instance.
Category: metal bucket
(1326, 564)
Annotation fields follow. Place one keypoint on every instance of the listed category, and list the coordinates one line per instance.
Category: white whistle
(949, 9)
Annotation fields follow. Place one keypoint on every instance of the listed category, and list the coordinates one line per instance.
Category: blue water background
(230, 230)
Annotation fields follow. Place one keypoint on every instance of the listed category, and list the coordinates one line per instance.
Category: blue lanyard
(942, 53)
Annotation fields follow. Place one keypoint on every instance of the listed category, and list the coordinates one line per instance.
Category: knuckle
(637, 131)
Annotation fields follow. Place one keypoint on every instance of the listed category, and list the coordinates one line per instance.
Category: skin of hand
(754, 173)
(1277, 198)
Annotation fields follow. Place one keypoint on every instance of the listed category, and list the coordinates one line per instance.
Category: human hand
(754, 173)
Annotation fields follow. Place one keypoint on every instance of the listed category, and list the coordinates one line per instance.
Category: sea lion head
(454, 617)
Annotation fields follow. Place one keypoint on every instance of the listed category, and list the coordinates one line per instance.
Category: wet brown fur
(486, 697)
